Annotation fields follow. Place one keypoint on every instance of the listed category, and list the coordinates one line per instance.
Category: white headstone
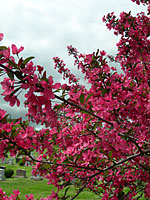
(10, 161)
(2, 177)
(37, 177)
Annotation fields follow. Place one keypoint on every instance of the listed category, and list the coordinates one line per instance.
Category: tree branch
(80, 190)
(120, 162)
(62, 99)
(82, 109)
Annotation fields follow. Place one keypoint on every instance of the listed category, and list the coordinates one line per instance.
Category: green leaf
(104, 152)
(95, 125)
(81, 98)
(11, 63)
(88, 97)
(110, 155)
(71, 158)
(84, 112)
(18, 75)
(78, 156)
(28, 59)
(14, 134)
(14, 91)
(55, 161)
(2, 48)
(51, 158)
(58, 90)
(4, 120)
(11, 75)
(22, 66)
(44, 75)
(47, 166)
(59, 106)
(16, 127)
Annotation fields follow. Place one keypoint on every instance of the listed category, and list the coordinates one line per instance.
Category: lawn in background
(37, 188)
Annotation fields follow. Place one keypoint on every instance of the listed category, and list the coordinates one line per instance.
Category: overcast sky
(46, 27)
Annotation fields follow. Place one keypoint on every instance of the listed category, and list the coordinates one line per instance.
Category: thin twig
(132, 139)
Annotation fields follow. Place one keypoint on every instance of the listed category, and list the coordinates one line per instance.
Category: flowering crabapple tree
(96, 138)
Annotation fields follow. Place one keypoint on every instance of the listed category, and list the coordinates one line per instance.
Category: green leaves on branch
(28, 59)
(3, 48)
(57, 107)
(81, 98)
(4, 119)
(21, 64)
(85, 112)
(88, 97)
(11, 75)
(13, 64)
(44, 76)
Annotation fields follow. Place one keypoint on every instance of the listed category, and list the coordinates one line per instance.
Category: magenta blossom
(15, 50)
(1, 36)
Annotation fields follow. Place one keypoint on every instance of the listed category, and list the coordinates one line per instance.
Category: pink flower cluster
(65, 71)
(16, 193)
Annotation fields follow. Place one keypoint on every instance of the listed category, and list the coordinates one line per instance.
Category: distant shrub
(21, 162)
(8, 173)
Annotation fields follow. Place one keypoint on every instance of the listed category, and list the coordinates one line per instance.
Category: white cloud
(46, 27)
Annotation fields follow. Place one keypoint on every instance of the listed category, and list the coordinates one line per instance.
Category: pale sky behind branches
(46, 27)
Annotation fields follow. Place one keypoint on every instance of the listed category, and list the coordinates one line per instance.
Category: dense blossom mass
(97, 138)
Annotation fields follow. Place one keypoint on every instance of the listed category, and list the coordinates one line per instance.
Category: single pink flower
(7, 86)
(56, 86)
(7, 127)
(1, 36)
(30, 197)
(40, 68)
(2, 114)
(16, 192)
(2, 193)
(88, 58)
(12, 100)
(15, 50)
(6, 53)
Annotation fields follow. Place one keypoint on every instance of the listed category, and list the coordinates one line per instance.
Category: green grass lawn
(37, 188)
